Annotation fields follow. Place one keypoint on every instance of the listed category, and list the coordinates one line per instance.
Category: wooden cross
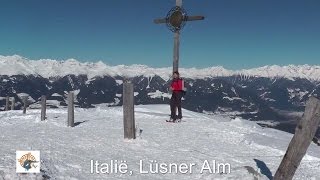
(176, 20)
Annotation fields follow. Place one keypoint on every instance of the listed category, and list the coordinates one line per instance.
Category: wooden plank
(128, 111)
(160, 21)
(71, 109)
(25, 102)
(304, 133)
(195, 18)
(43, 107)
(13, 103)
(7, 104)
(179, 3)
(176, 47)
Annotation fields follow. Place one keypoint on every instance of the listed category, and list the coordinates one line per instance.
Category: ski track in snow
(66, 152)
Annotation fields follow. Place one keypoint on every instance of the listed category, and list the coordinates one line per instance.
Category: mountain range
(273, 95)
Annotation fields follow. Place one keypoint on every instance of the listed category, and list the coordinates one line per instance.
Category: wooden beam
(13, 102)
(43, 107)
(25, 104)
(7, 104)
(128, 111)
(189, 18)
(304, 133)
(176, 47)
(71, 109)
(160, 21)
(179, 3)
(195, 18)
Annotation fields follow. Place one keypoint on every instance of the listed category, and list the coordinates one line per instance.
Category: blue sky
(235, 34)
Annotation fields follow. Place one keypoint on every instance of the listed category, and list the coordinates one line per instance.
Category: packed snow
(15, 65)
(56, 95)
(159, 94)
(251, 151)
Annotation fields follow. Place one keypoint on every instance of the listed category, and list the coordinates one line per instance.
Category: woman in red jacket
(177, 87)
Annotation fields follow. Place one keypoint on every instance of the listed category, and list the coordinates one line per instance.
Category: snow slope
(66, 152)
(14, 65)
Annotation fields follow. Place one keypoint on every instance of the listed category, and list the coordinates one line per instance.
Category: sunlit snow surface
(66, 152)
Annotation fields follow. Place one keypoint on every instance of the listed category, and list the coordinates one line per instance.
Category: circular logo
(176, 19)
(27, 160)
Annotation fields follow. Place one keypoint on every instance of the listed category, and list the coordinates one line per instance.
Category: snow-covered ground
(66, 153)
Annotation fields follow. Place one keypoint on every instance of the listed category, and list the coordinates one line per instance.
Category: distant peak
(16, 64)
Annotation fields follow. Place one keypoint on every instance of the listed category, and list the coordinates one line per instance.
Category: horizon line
(95, 61)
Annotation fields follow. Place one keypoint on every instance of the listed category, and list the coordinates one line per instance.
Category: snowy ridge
(15, 65)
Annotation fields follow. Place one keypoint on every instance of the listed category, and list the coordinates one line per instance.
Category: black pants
(175, 103)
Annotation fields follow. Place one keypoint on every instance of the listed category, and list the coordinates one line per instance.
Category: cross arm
(160, 21)
(189, 18)
(195, 18)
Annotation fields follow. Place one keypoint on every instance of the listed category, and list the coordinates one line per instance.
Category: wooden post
(7, 103)
(25, 104)
(304, 133)
(43, 107)
(71, 109)
(176, 45)
(128, 111)
(13, 103)
(176, 51)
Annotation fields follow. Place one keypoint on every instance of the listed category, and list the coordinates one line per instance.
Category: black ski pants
(175, 103)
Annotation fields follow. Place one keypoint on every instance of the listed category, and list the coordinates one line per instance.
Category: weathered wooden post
(43, 107)
(128, 111)
(176, 46)
(71, 109)
(25, 102)
(7, 103)
(13, 103)
(304, 133)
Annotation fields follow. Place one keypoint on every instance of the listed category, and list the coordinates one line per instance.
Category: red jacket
(177, 84)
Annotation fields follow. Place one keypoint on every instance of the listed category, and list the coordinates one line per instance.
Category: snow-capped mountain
(270, 93)
(17, 65)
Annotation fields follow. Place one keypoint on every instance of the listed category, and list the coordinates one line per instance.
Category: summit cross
(175, 20)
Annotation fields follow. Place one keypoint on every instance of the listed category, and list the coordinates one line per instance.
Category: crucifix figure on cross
(175, 20)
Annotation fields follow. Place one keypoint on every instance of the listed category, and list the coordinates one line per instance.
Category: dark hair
(176, 72)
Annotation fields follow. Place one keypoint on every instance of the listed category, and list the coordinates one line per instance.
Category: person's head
(175, 75)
